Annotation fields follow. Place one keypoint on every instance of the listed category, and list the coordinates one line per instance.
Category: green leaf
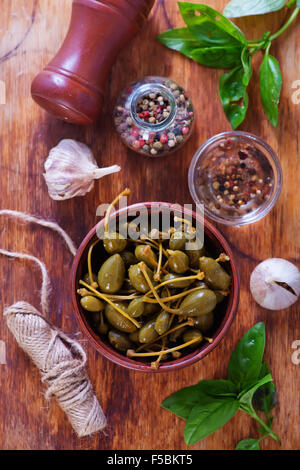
(245, 398)
(246, 62)
(218, 388)
(208, 416)
(245, 362)
(238, 8)
(209, 26)
(234, 96)
(180, 39)
(248, 444)
(182, 402)
(270, 81)
(265, 398)
(218, 57)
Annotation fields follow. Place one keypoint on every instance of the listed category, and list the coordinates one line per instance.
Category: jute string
(61, 360)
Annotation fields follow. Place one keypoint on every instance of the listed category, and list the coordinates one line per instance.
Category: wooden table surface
(30, 33)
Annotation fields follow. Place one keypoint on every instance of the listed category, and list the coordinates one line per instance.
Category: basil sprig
(211, 39)
(210, 404)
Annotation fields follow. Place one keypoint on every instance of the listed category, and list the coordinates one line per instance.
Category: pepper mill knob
(72, 85)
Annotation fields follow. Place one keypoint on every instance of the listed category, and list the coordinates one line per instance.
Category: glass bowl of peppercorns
(154, 116)
(237, 177)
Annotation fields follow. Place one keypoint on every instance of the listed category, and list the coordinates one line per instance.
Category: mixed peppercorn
(235, 176)
(158, 121)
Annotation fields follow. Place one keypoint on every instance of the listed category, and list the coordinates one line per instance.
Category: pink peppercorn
(141, 142)
(164, 138)
(135, 133)
(136, 144)
(185, 130)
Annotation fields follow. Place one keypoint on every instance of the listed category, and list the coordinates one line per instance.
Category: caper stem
(156, 276)
(199, 276)
(155, 365)
(222, 258)
(126, 192)
(132, 296)
(104, 297)
(172, 298)
(132, 353)
(163, 306)
(209, 340)
(89, 261)
(184, 221)
(175, 328)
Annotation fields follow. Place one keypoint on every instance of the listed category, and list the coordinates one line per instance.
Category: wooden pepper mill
(72, 85)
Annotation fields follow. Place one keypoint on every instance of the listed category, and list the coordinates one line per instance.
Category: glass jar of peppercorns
(154, 116)
(236, 176)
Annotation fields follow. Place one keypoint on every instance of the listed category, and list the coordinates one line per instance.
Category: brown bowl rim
(107, 351)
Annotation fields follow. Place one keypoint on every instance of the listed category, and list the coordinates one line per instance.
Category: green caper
(220, 296)
(136, 307)
(119, 340)
(102, 328)
(151, 308)
(134, 336)
(192, 333)
(204, 322)
(146, 254)
(147, 332)
(114, 243)
(215, 275)
(162, 322)
(200, 284)
(92, 304)
(175, 335)
(177, 285)
(111, 274)
(177, 241)
(200, 302)
(195, 253)
(138, 279)
(178, 262)
(128, 257)
(86, 278)
(117, 320)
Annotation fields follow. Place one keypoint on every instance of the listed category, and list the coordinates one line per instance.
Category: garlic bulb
(71, 170)
(275, 284)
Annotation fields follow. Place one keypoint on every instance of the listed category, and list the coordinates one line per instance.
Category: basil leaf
(246, 62)
(265, 398)
(182, 402)
(270, 80)
(245, 398)
(217, 388)
(218, 57)
(210, 27)
(180, 39)
(234, 96)
(245, 362)
(208, 416)
(248, 444)
(238, 8)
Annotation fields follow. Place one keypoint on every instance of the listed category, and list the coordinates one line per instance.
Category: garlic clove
(70, 170)
(275, 284)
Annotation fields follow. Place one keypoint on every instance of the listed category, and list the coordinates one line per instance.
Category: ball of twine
(60, 359)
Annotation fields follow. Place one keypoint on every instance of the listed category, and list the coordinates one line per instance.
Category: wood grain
(30, 33)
